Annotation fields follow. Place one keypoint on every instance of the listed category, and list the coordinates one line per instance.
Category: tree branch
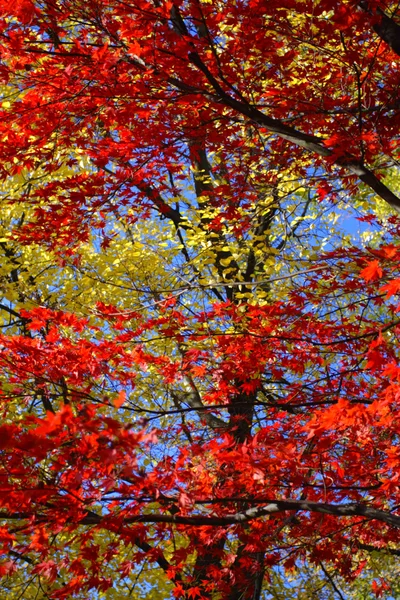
(309, 142)
(387, 29)
(273, 507)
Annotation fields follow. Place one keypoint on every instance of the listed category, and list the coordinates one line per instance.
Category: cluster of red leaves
(125, 84)
(128, 85)
(331, 435)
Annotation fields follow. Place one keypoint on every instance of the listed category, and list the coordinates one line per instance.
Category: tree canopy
(199, 344)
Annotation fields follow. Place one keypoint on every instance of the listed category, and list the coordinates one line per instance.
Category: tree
(199, 364)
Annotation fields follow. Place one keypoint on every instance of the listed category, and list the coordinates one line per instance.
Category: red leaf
(392, 288)
(372, 272)
(47, 569)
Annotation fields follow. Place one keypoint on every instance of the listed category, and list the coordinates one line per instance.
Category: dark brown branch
(160, 558)
(331, 581)
(273, 507)
(387, 29)
(311, 143)
(166, 211)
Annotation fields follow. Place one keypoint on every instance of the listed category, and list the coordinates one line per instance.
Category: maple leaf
(184, 501)
(120, 399)
(372, 272)
(48, 569)
(194, 592)
(179, 591)
(250, 386)
(380, 587)
(391, 288)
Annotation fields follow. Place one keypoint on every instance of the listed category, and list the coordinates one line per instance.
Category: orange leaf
(120, 399)
(372, 271)
(392, 288)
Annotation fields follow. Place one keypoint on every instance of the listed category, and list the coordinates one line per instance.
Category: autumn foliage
(200, 277)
